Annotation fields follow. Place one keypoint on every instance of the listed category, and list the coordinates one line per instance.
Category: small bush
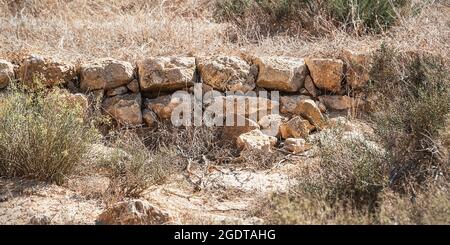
(42, 135)
(312, 16)
(133, 168)
(413, 101)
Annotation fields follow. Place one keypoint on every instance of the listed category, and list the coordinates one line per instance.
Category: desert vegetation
(363, 138)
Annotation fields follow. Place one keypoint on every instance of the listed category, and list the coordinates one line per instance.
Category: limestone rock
(126, 109)
(105, 74)
(46, 71)
(256, 140)
(309, 110)
(289, 103)
(166, 73)
(281, 73)
(231, 132)
(270, 124)
(296, 145)
(327, 74)
(162, 106)
(134, 212)
(227, 73)
(6, 73)
(133, 86)
(117, 91)
(336, 102)
(311, 88)
(297, 127)
(358, 68)
(149, 117)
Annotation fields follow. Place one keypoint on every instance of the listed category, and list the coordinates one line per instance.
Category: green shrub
(42, 135)
(413, 92)
(133, 168)
(358, 16)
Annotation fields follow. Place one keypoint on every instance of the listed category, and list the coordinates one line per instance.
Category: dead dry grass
(129, 30)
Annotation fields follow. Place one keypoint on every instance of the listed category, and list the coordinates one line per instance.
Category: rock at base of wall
(327, 74)
(255, 140)
(6, 73)
(297, 127)
(125, 109)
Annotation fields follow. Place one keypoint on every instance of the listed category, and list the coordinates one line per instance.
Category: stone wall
(140, 93)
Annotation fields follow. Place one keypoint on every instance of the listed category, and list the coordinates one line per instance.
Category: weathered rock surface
(296, 145)
(289, 103)
(149, 117)
(336, 102)
(297, 127)
(232, 132)
(311, 88)
(117, 91)
(6, 73)
(133, 86)
(309, 110)
(126, 109)
(270, 124)
(327, 74)
(358, 68)
(281, 73)
(133, 212)
(105, 74)
(256, 140)
(225, 73)
(46, 71)
(166, 73)
(163, 106)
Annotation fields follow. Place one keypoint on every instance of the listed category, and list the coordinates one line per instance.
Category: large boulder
(46, 71)
(297, 127)
(327, 74)
(166, 73)
(289, 103)
(227, 73)
(125, 109)
(256, 140)
(6, 73)
(281, 73)
(105, 74)
(309, 110)
(336, 102)
(133, 212)
(296, 145)
(358, 68)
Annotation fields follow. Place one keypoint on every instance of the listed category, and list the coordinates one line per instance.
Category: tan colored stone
(105, 74)
(327, 74)
(270, 124)
(134, 212)
(149, 118)
(297, 127)
(232, 132)
(281, 73)
(358, 68)
(163, 106)
(227, 73)
(309, 110)
(166, 73)
(133, 86)
(46, 71)
(6, 73)
(336, 102)
(117, 91)
(289, 103)
(256, 140)
(296, 145)
(311, 88)
(125, 109)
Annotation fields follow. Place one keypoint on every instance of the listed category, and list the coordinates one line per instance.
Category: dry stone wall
(140, 93)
